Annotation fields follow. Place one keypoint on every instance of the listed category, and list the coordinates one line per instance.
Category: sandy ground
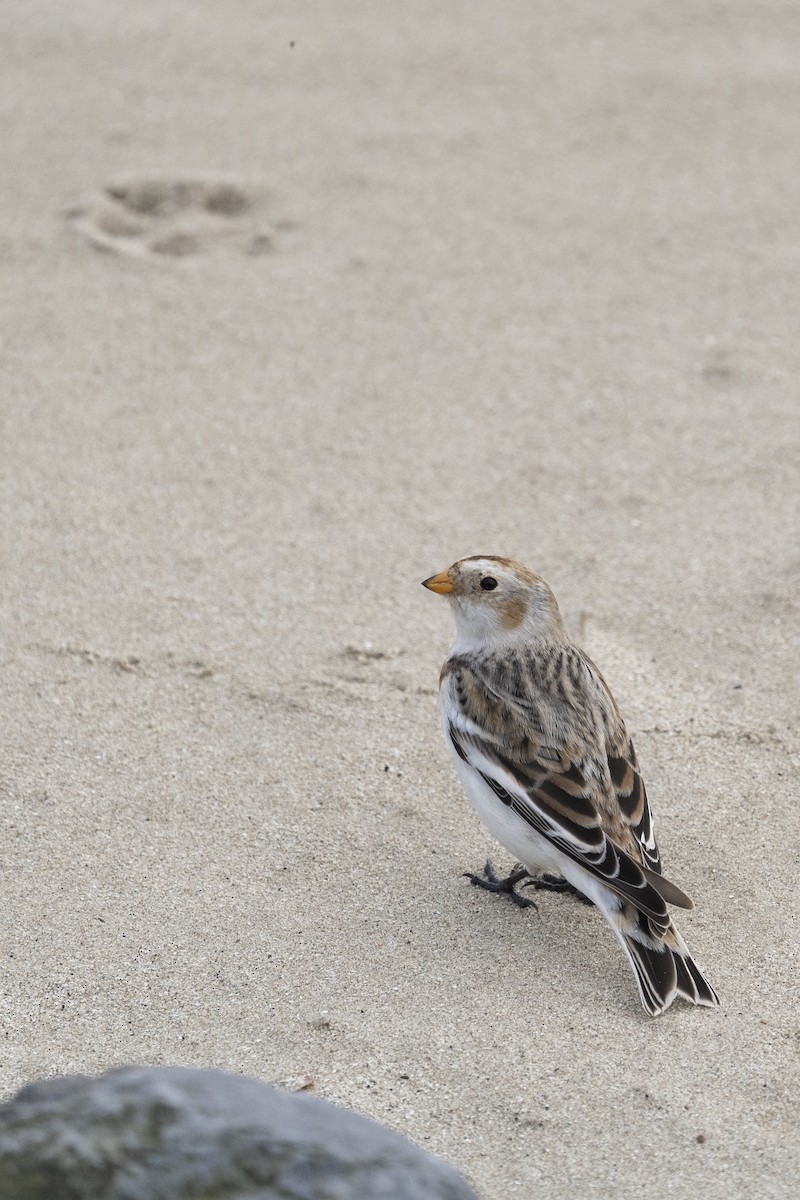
(448, 279)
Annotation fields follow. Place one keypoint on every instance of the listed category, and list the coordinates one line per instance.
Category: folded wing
(595, 812)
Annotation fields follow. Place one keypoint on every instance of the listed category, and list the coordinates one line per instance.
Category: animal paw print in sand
(161, 218)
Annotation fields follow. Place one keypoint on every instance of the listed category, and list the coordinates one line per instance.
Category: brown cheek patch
(512, 612)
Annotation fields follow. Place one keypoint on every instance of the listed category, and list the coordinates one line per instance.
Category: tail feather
(692, 983)
(664, 968)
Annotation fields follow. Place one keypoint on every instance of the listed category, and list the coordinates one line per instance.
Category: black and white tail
(663, 966)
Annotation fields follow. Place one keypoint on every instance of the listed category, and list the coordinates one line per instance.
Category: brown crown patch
(522, 572)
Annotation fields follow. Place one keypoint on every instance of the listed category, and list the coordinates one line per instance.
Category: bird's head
(496, 601)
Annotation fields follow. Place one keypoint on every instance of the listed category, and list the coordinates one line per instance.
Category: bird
(543, 754)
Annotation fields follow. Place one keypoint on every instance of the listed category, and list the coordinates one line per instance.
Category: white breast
(532, 849)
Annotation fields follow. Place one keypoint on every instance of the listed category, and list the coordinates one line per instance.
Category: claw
(555, 883)
(491, 882)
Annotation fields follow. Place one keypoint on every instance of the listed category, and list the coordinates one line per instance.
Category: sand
(300, 303)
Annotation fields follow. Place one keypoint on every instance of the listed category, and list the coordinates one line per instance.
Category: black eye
(488, 584)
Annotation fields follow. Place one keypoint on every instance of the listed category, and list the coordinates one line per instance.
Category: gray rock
(179, 1134)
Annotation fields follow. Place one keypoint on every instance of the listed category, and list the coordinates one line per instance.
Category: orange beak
(442, 584)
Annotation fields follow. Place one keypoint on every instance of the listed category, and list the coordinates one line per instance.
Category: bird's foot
(491, 882)
(555, 883)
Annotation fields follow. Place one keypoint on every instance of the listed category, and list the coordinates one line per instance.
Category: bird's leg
(492, 883)
(555, 883)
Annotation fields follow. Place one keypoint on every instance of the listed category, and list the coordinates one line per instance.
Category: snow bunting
(544, 756)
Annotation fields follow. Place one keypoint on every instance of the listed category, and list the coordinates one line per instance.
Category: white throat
(478, 627)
